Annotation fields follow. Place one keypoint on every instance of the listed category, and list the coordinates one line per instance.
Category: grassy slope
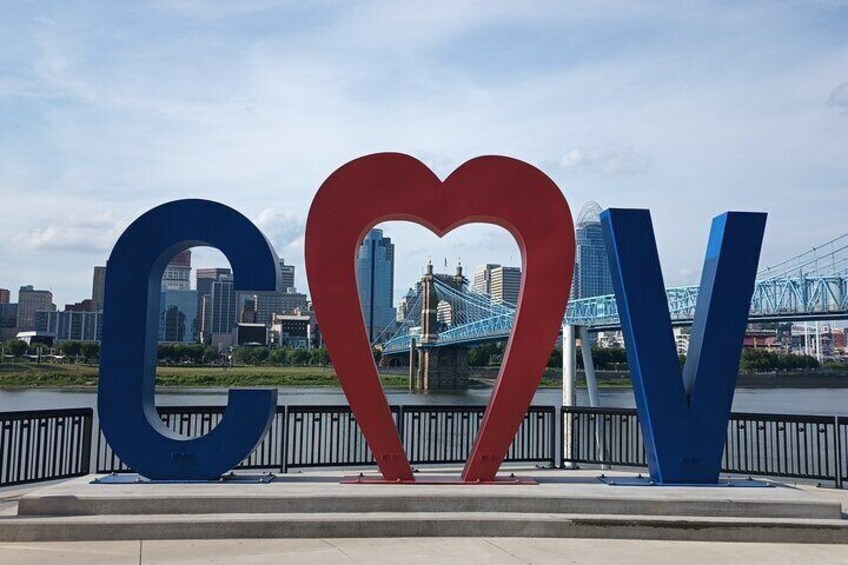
(25, 374)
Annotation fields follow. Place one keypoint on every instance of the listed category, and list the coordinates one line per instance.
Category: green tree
(244, 355)
(90, 351)
(478, 357)
(320, 357)
(298, 357)
(210, 354)
(17, 347)
(555, 360)
(71, 348)
(279, 356)
(260, 355)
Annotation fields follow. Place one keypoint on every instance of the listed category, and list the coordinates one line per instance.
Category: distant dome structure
(589, 214)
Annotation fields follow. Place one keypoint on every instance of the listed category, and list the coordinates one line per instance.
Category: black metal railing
(44, 445)
(55, 444)
(445, 434)
(778, 445)
(602, 436)
(195, 421)
(328, 436)
(325, 436)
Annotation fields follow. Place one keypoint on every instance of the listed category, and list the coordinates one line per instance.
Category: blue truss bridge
(810, 286)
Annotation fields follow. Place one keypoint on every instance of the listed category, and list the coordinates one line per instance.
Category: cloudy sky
(686, 108)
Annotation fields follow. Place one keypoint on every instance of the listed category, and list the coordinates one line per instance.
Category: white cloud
(77, 232)
(606, 160)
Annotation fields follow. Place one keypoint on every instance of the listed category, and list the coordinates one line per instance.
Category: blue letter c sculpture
(126, 404)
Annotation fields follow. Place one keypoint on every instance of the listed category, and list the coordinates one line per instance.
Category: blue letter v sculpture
(684, 417)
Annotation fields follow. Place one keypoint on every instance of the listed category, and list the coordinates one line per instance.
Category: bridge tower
(431, 367)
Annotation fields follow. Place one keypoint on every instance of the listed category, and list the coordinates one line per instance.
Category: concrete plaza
(413, 551)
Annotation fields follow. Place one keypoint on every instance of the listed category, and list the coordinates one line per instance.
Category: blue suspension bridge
(807, 287)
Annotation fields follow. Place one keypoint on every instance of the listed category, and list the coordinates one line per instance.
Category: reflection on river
(825, 401)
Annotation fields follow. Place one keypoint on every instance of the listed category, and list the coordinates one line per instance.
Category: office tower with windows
(98, 287)
(286, 277)
(177, 275)
(481, 278)
(375, 275)
(505, 284)
(177, 315)
(591, 266)
(31, 301)
(205, 278)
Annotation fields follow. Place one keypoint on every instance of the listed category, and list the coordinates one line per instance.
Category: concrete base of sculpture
(315, 504)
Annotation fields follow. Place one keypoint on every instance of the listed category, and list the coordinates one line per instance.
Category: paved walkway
(441, 551)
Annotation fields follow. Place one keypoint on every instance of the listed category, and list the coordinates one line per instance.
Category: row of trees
(87, 351)
(178, 353)
(760, 360)
(605, 358)
(615, 359)
(286, 356)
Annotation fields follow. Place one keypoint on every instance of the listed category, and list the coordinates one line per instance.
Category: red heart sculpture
(392, 186)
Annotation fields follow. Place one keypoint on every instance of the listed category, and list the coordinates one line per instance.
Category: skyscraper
(98, 287)
(205, 278)
(177, 315)
(223, 303)
(481, 278)
(375, 276)
(505, 284)
(286, 277)
(177, 275)
(591, 266)
(501, 283)
(5, 296)
(31, 301)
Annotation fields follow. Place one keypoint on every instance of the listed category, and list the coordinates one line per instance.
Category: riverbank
(821, 378)
(54, 375)
(74, 375)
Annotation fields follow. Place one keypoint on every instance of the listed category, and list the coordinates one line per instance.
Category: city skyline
(684, 110)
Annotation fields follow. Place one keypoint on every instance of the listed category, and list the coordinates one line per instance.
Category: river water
(822, 401)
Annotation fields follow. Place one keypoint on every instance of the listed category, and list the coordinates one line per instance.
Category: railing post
(838, 447)
(87, 442)
(284, 456)
(569, 379)
(553, 440)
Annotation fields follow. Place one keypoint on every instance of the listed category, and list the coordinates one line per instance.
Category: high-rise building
(223, 306)
(8, 321)
(375, 276)
(481, 278)
(286, 277)
(177, 275)
(5, 296)
(591, 266)
(70, 325)
(98, 287)
(177, 315)
(505, 284)
(205, 278)
(31, 301)
(263, 305)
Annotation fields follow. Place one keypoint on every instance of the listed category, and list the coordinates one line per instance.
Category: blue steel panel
(684, 417)
(128, 360)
